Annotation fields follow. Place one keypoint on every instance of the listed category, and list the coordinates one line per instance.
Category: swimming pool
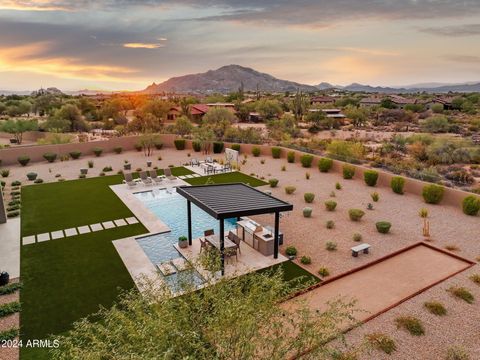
(171, 209)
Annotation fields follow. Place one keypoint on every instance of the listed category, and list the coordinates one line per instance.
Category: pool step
(166, 268)
(181, 264)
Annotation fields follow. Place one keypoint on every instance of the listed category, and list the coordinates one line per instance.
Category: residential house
(322, 100)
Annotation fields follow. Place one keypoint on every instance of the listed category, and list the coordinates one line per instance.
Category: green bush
(411, 324)
(291, 251)
(75, 154)
(462, 293)
(5, 173)
(475, 278)
(357, 237)
(306, 160)
(307, 212)
(256, 151)
(16, 183)
(370, 177)
(306, 260)
(38, 181)
(330, 224)
(338, 186)
(10, 288)
(471, 205)
(118, 149)
(9, 308)
(435, 308)
(290, 189)
(375, 196)
(50, 157)
(197, 146)
(355, 214)
(31, 176)
(97, 151)
(23, 160)
(348, 171)
(9, 334)
(107, 169)
(397, 183)
(276, 152)
(309, 197)
(179, 144)
(158, 144)
(383, 227)
(457, 353)
(13, 214)
(138, 146)
(433, 194)
(235, 147)
(273, 182)
(330, 205)
(381, 342)
(331, 246)
(291, 156)
(324, 164)
(323, 271)
(218, 147)
(90, 163)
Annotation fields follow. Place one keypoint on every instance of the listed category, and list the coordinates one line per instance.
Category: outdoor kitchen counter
(256, 236)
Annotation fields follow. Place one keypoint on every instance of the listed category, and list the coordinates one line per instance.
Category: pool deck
(10, 247)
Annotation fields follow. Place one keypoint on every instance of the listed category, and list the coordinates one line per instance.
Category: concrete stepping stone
(71, 232)
(108, 224)
(28, 240)
(83, 229)
(181, 264)
(120, 222)
(166, 268)
(131, 220)
(57, 234)
(182, 177)
(96, 227)
(196, 175)
(43, 237)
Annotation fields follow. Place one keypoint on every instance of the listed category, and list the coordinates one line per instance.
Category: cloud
(454, 31)
(468, 59)
(143, 45)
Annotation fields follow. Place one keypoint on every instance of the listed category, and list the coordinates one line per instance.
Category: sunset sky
(127, 44)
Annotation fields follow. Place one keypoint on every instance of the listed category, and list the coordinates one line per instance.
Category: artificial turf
(67, 279)
(226, 178)
(293, 273)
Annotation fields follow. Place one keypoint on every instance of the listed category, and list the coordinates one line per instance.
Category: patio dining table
(215, 241)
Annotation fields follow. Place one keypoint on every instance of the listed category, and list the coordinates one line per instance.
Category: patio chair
(208, 232)
(209, 160)
(168, 174)
(129, 180)
(145, 179)
(204, 245)
(235, 239)
(231, 252)
(194, 162)
(154, 176)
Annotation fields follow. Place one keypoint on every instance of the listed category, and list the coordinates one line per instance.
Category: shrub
(97, 151)
(330, 205)
(9, 334)
(457, 353)
(256, 151)
(10, 288)
(107, 169)
(423, 213)
(383, 227)
(276, 152)
(357, 237)
(307, 212)
(31, 176)
(197, 146)
(179, 144)
(338, 186)
(471, 205)
(75, 154)
(370, 177)
(82, 176)
(283, 168)
(475, 278)
(330, 224)
(411, 324)
(381, 342)
(38, 181)
(375, 196)
(397, 183)
(324, 164)
(138, 146)
(5, 173)
(23, 160)
(306, 160)
(436, 308)
(50, 157)
(16, 183)
(291, 156)
(307, 175)
(118, 149)
(217, 147)
(348, 171)
(158, 144)
(331, 246)
(291, 251)
(273, 182)
(13, 214)
(432, 194)
(355, 214)
(290, 189)
(309, 197)
(306, 260)
(235, 147)
(323, 271)
(461, 293)
(90, 164)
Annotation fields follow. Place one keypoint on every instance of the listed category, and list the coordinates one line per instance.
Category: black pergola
(225, 201)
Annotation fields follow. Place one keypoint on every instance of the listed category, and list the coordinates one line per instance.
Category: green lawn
(61, 205)
(232, 177)
(294, 273)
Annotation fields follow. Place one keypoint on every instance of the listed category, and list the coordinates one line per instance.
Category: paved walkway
(385, 284)
(10, 247)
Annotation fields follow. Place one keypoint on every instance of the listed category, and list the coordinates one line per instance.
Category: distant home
(446, 101)
(370, 101)
(322, 100)
(197, 111)
(331, 113)
(399, 101)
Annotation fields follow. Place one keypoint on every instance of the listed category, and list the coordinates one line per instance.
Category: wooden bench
(358, 248)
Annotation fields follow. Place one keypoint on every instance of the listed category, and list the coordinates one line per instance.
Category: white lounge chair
(168, 174)
(145, 179)
(129, 180)
(153, 175)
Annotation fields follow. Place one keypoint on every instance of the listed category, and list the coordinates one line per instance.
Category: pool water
(171, 209)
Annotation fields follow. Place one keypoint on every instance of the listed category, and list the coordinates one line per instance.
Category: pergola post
(189, 217)
(222, 244)
(276, 239)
